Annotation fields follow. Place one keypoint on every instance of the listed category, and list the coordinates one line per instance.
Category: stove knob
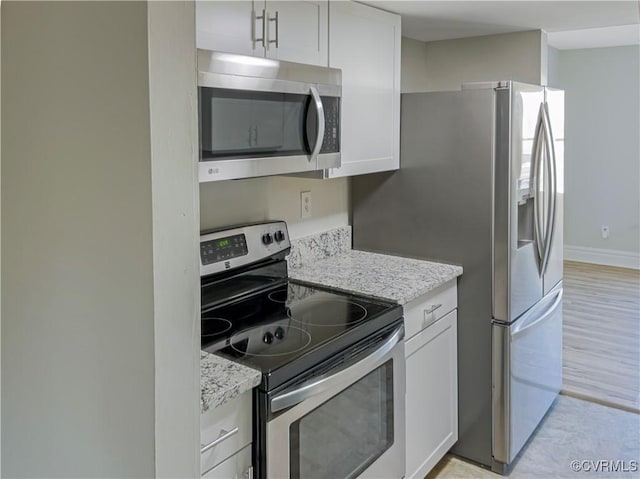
(279, 333)
(278, 236)
(267, 239)
(267, 338)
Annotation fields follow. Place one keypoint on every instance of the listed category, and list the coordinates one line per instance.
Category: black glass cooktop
(290, 327)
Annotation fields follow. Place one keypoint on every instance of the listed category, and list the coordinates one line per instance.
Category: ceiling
(427, 20)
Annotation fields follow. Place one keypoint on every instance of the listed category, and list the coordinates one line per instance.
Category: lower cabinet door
(237, 466)
(432, 395)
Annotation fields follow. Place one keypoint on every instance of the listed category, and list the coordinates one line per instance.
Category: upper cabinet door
(298, 31)
(365, 43)
(230, 26)
(294, 31)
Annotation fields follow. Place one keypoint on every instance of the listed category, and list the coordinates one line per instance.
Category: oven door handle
(345, 375)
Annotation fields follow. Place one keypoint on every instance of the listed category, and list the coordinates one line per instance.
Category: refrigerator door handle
(537, 196)
(553, 186)
(524, 326)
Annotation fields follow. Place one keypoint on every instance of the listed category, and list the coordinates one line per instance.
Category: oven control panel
(229, 248)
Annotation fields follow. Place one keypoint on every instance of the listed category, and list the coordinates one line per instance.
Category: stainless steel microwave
(261, 117)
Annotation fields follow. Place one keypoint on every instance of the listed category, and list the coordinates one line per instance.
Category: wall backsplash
(225, 203)
(314, 247)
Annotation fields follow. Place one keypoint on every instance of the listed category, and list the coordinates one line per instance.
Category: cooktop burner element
(283, 329)
(212, 326)
(279, 296)
(271, 340)
(327, 312)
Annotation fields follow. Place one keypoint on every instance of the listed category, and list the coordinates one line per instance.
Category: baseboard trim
(608, 257)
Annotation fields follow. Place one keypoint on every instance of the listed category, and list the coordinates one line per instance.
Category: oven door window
(250, 124)
(346, 434)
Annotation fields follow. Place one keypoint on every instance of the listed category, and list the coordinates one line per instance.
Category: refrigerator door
(527, 375)
(517, 248)
(555, 113)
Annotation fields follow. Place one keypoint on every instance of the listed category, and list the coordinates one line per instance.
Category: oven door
(347, 423)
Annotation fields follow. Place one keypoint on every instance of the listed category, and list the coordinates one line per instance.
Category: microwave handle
(320, 114)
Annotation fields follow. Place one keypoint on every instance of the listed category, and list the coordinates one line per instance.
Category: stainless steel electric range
(331, 400)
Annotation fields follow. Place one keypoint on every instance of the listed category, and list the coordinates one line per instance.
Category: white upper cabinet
(227, 27)
(301, 29)
(295, 31)
(365, 43)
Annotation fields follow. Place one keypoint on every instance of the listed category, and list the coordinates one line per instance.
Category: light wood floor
(602, 334)
(572, 430)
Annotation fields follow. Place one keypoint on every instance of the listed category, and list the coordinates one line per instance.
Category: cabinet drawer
(228, 428)
(237, 466)
(427, 309)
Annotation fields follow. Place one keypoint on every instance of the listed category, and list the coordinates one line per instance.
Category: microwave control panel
(331, 142)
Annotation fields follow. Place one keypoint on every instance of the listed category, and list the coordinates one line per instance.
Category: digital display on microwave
(223, 249)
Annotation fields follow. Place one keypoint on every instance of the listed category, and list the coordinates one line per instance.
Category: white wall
(229, 202)
(414, 72)
(99, 230)
(602, 152)
(446, 64)
(176, 272)
(553, 67)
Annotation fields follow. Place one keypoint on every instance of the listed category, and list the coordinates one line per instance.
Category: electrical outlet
(305, 204)
(605, 231)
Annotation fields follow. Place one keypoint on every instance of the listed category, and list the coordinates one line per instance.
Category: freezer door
(555, 111)
(527, 374)
(517, 273)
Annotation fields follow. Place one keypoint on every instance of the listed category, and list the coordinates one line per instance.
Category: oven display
(223, 249)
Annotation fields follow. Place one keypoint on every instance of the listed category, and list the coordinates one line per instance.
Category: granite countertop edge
(222, 380)
(381, 276)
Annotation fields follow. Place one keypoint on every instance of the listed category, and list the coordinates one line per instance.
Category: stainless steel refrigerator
(481, 185)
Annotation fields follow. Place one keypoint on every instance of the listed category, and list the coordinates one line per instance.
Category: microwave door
(239, 124)
(270, 119)
(227, 125)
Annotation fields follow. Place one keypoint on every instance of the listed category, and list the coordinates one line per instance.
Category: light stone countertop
(376, 275)
(222, 380)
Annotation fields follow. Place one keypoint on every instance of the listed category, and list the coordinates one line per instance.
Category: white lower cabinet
(225, 437)
(432, 382)
(237, 466)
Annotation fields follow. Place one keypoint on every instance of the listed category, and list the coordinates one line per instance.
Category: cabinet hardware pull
(429, 316)
(253, 27)
(277, 22)
(432, 309)
(223, 435)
